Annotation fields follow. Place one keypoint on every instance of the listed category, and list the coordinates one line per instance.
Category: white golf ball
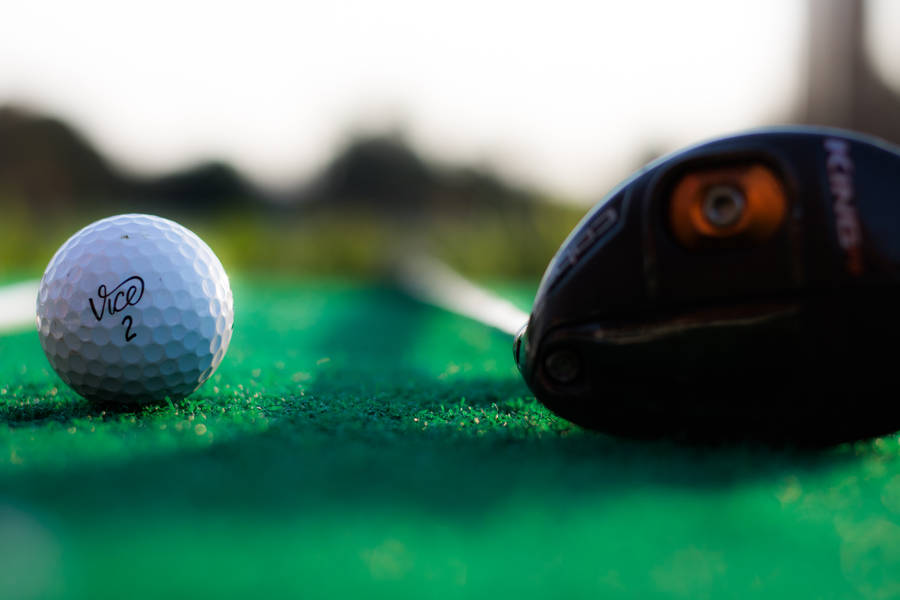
(133, 309)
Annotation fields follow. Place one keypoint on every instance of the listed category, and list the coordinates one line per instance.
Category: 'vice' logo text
(112, 301)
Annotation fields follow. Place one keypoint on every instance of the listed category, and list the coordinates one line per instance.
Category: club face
(744, 286)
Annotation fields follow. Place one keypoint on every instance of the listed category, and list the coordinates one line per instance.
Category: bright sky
(568, 95)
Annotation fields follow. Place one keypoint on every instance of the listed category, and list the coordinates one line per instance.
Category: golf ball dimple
(133, 309)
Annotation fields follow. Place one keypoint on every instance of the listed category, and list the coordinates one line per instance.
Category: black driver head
(747, 286)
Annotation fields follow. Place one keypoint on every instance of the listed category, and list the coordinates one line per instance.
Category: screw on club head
(563, 366)
(723, 205)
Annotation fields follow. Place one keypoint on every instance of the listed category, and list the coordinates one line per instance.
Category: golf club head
(745, 287)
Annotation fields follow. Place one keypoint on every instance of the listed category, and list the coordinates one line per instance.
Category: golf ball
(133, 309)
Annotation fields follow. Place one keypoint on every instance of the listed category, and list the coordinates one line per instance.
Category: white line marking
(17, 305)
(431, 281)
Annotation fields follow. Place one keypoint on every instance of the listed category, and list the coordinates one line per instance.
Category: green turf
(355, 443)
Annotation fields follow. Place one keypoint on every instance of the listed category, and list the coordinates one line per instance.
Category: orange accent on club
(764, 210)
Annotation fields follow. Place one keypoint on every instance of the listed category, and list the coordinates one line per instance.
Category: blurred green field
(357, 443)
(356, 243)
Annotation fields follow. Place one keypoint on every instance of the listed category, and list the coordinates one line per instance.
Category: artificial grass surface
(357, 443)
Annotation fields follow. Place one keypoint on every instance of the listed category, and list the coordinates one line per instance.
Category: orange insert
(752, 199)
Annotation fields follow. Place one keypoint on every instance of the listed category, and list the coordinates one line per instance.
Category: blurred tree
(843, 88)
(48, 166)
(380, 172)
(50, 169)
(383, 174)
(204, 187)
